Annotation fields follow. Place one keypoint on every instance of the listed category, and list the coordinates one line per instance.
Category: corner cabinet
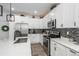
(52, 48)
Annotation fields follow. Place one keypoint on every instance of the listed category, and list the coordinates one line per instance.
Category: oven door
(46, 45)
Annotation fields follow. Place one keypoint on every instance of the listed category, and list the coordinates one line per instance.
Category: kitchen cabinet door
(41, 24)
(36, 24)
(52, 48)
(60, 50)
(45, 23)
(76, 15)
(31, 25)
(68, 15)
(59, 16)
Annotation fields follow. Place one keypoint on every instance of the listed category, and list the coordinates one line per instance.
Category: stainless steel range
(46, 40)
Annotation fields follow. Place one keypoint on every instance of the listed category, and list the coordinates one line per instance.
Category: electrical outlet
(68, 33)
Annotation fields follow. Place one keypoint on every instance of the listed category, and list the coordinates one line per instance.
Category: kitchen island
(8, 48)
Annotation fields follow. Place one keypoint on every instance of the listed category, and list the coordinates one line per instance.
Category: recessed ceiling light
(12, 9)
(35, 12)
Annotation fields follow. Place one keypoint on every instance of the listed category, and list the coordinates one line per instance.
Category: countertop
(66, 43)
(19, 49)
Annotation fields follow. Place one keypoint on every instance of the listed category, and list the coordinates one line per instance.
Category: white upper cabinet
(33, 23)
(64, 16)
(76, 15)
(71, 15)
(68, 15)
(59, 16)
(53, 48)
(38, 23)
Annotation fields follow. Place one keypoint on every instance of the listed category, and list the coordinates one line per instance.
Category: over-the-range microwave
(52, 24)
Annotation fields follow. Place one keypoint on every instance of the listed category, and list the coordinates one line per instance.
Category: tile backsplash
(69, 32)
(65, 32)
(37, 31)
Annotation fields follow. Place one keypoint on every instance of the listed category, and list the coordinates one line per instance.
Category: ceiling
(32, 9)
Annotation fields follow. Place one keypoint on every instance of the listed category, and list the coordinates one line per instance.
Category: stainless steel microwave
(52, 24)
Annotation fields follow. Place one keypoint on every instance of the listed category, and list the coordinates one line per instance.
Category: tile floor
(37, 50)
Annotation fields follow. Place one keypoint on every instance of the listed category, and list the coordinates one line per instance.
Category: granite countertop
(67, 44)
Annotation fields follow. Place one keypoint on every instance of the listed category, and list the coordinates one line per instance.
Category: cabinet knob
(55, 48)
(74, 23)
(61, 25)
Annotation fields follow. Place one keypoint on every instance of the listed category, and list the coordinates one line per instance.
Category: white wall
(3, 35)
(32, 22)
(3, 18)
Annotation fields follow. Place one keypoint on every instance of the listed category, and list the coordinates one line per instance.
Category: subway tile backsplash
(37, 31)
(69, 32)
(65, 32)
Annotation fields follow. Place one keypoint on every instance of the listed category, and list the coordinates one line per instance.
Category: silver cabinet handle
(73, 51)
(55, 48)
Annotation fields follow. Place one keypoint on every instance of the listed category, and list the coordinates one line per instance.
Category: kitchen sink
(21, 40)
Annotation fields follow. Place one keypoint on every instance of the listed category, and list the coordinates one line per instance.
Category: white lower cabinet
(57, 49)
(60, 50)
(36, 38)
(53, 48)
